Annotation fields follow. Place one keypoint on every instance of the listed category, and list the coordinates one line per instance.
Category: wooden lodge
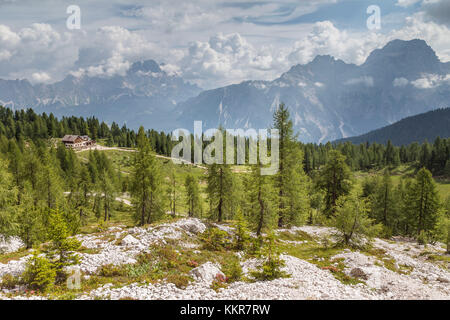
(77, 142)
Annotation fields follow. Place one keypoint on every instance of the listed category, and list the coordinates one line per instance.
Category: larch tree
(423, 204)
(49, 181)
(106, 185)
(261, 205)
(384, 202)
(352, 220)
(8, 198)
(220, 190)
(172, 189)
(192, 196)
(291, 180)
(146, 183)
(335, 179)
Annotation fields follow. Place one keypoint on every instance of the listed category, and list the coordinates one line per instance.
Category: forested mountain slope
(426, 126)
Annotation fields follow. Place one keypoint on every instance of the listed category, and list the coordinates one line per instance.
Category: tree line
(39, 177)
(24, 125)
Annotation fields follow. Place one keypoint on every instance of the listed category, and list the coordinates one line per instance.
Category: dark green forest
(419, 128)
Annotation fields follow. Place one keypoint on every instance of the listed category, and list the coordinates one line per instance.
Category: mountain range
(145, 95)
(328, 99)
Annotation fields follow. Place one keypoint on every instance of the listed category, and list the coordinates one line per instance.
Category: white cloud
(325, 38)
(436, 35)
(111, 50)
(40, 77)
(400, 82)
(437, 10)
(254, 41)
(228, 58)
(406, 3)
(431, 81)
(367, 81)
(33, 49)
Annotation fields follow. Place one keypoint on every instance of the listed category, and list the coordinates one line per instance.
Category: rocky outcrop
(207, 272)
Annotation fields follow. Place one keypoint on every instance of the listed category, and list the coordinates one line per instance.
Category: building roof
(69, 138)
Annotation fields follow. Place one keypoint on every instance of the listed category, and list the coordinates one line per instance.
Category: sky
(207, 42)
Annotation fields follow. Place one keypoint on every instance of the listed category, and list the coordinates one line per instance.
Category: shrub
(168, 257)
(326, 242)
(110, 270)
(215, 239)
(271, 267)
(255, 246)
(61, 248)
(39, 273)
(219, 282)
(232, 270)
(422, 238)
(352, 221)
(9, 281)
(137, 270)
(242, 234)
(192, 263)
(179, 280)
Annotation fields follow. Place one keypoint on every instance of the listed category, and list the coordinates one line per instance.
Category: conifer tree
(62, 246)
(261, 204)
(146, 183)
(290, 181)
(8, 198)
(29, 219)
(172, 193)
(335, 179)
(422, 202)
(384, 202)
(352, 220)
(16, 167)
(220, 191)
(49, 181)
(192, 196)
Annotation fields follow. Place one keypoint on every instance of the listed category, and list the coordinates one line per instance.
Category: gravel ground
(10, 245)
(118, 245)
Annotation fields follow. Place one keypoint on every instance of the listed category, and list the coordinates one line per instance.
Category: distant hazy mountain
(330, 99)
(425, 126)
(145, 95)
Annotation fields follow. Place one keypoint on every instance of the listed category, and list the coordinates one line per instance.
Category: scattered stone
(359, 273)
(129, 240)
(11, 244)
(207, 272)
(191, 225)
(306, 281)
(443, 280)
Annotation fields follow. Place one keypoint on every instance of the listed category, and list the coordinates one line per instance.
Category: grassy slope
(123, 160)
